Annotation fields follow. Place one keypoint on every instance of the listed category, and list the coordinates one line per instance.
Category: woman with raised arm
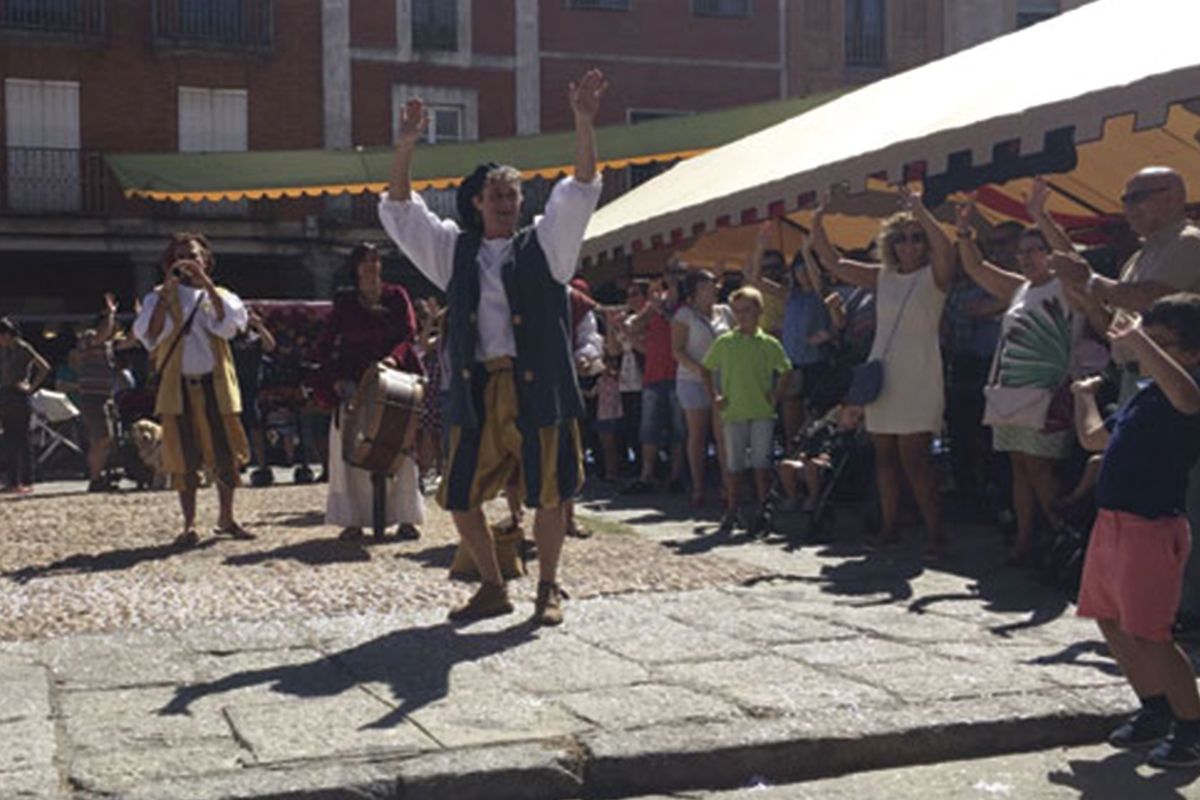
(1033, 361)
(695, 326)
(806, 329)
(910, 290)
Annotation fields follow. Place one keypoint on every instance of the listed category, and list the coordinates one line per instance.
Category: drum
(380, 424)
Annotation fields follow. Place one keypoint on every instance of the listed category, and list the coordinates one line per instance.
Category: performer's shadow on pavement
(315, 552)
(415, 663)
(1118, 776)
(110, 561)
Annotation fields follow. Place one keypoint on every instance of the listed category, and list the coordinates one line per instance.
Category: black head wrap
(468, 190)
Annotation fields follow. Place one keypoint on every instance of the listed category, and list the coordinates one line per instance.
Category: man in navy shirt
(1134, 567)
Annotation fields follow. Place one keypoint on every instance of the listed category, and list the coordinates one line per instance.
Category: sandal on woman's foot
(234, 531)
(577, 531)
(350, 534)
(188, 538)
(407, 532)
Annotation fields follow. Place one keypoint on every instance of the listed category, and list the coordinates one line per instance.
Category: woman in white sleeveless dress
(910, 290)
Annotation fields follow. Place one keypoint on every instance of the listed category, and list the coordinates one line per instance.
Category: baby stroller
(131, 405)
(845, 458)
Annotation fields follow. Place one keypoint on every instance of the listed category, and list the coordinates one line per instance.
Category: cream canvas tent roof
(1091, 95)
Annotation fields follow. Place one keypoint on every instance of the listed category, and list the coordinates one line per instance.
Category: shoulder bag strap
(183, 331)
(899, 315)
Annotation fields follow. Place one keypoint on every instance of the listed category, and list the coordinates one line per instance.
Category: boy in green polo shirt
(749, 364)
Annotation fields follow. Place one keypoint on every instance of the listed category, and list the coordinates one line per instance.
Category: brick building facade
(83, 77)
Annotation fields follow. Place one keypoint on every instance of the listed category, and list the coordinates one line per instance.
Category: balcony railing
(864, 49)
(44, 180)
(214, 24)
(70, 17)
(721, 8)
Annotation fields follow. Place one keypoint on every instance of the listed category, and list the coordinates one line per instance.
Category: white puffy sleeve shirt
(429, 242)
(197, 350)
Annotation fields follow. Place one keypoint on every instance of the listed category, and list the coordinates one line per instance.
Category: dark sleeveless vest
(547, 388)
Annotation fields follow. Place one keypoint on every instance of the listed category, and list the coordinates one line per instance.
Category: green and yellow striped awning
(277, 174)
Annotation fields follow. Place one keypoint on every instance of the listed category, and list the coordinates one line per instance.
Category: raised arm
(414, 119)
(1156, 363)
(941, 252)
(1089, 426)
(754, 270)
(585, 103)
(855, 273)
(811, 268)
(999, 283)
(1035, 204)
(108, 326)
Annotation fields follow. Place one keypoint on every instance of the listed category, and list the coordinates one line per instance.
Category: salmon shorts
(1133, 573)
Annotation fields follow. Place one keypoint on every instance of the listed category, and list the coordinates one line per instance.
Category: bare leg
(762, 483)
(719, 438)
(187, 504)
(698, 424)
(1124, 648)
(259, 444)
(475, 534)
(97, 457)
(549, 528)
(649, 459)
(611, 465)
(732, 481)
(793, 416)
(676, 462)
(1045, 486)
(225, 519)
(812, 481)
(887, 477)
(914, 456)
(1024, 504)
(1175, 674)
(788, 473)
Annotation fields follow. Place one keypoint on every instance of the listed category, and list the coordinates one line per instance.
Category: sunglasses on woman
(911, 238)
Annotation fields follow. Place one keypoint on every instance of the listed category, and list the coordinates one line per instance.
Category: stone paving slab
(827, 660)
(635, 693)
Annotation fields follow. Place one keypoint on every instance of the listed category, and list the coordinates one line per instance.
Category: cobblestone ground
(75, 563)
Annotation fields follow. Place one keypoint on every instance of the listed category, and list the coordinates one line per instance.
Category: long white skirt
(351, 496)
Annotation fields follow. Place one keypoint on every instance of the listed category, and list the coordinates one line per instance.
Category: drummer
(371, 321)
(514, 400)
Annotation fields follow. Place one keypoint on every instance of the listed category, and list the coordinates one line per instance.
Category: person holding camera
(185, 324)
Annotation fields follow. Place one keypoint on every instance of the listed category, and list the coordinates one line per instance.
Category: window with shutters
(42, 155)
(866, 33)
(210, 121)
(435, 24)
